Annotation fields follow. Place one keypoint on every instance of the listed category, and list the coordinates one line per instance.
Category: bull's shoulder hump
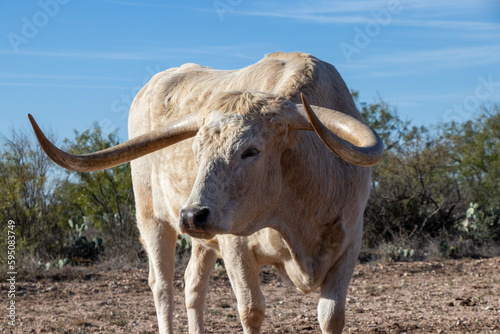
(180, 91)
(318, 80)
(296, 72)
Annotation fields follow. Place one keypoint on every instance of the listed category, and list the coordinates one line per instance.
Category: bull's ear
(298, 119)
(344, 135)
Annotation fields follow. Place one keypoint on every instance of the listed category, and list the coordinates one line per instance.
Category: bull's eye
(251, 152)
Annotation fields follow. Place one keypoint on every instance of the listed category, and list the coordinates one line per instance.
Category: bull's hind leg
(196, 277)
(243, 271)
(333, 293)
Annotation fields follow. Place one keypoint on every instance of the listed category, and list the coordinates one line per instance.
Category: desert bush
(32, 194)
(415, 192)
(476, 149)
(41, 197)
(482, 224)
(183, 244)
(79, 247)
(106, 197)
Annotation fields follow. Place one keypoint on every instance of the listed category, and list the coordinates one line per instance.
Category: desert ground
(448, 296)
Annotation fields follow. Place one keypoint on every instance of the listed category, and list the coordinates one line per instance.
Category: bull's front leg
(197, 276)
(243, 271)
(159, 239)
(333, 292)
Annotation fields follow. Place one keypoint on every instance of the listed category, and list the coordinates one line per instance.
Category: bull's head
(238, 145)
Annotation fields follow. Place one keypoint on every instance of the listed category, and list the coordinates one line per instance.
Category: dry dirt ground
(452, 296)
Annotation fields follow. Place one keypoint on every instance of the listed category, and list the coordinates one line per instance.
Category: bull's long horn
(162, 137)
(349, 138)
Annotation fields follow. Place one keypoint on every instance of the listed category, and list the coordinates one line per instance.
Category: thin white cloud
(364, 6)
(360, 12)
(130, 55)
(419, 61)
(138, 4)
(157, 5)
(31, 84)
(369, 72)
(333, 19)
(322, 7)
(449, 57)
(353, 12)
(57, 77)
(319, 6)
(305, 17)
(152, 54)
(448, 24)
(422, 99)
(446, 4)
(481, 36)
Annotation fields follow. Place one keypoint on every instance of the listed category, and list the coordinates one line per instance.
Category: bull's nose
(194, 217)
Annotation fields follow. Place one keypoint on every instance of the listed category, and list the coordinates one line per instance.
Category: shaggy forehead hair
(233, 115)
(255, 108)
(245, 103)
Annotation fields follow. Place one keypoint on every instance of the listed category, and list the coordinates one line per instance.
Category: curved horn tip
(32, 120)
(34, 124)
(38, 132)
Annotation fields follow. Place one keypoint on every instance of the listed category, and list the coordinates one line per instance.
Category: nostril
(200, 217)
(183, 214)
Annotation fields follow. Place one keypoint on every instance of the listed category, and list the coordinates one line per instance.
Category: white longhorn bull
(257, 185)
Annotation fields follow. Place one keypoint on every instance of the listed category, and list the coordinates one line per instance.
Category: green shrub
(183, 244)
(79, 248)
(481, 224)
(395, 254)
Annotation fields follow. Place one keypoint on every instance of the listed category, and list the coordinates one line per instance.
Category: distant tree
(32, 194)
(106, 197)
(384, 119)
(477, 150)
(42, 198)
(414, 188)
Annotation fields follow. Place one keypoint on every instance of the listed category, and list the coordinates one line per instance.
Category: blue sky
(71, 63)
